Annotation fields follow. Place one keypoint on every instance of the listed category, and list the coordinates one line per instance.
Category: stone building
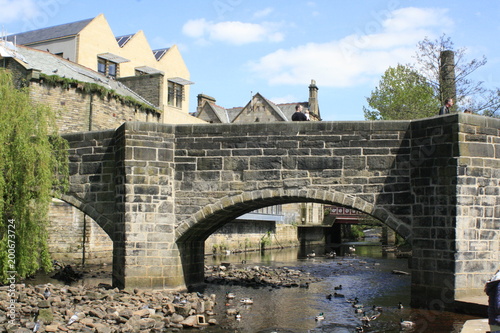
(129, 59)
(258, 109)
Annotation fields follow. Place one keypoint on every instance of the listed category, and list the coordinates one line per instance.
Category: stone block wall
(455, 176)
(148, 86)
(80, 111)
(244, 235)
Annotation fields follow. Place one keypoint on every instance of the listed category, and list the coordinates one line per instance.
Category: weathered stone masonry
(159, 190)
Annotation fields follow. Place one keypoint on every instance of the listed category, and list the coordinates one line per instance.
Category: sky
(237, 48)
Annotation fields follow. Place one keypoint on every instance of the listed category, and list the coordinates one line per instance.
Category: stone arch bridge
(160, 190)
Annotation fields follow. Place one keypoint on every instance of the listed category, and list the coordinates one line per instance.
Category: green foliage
(402, 94)
(265, 240)
(356, 232)
(33, 164)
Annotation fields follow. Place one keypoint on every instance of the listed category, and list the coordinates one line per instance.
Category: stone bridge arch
(210, 218)
(191, 234)
(89, 209)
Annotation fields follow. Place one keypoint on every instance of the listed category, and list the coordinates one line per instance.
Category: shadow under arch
(191, 234)
(87, 208)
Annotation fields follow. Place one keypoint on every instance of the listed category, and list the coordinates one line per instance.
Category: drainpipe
(83, 238)
(90, 110)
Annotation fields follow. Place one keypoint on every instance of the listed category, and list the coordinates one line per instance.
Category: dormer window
(109, 64)
(176, 91)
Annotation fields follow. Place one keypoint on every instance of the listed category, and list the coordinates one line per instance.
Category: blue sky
(236, 48)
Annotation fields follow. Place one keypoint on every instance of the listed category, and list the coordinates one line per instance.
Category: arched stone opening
(75, 236)
(192, 234)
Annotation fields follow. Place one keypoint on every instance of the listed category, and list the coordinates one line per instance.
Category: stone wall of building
(80, 111)
(241, 235)
(148, 86)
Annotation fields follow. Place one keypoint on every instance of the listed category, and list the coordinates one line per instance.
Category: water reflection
(367, 275)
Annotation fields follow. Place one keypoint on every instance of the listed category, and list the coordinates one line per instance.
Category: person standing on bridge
(492, 289)
(298, 115)
(445, 109)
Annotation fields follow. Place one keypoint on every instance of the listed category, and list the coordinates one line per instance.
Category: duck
(406, 324)
(72, 319)
(321, 316)
(339, 287)
(304, 285)
(329, 296)
(47, 293)
(358, 310)
(352, 249)
(400, 305)
(37, 326)
(238, 316)
(331, 254)
(246, 300)
(354, 300)
(230, 295)
(338, 295)
(312, 254)
(377, 308)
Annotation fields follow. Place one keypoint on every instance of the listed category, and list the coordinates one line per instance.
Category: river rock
(190, 321)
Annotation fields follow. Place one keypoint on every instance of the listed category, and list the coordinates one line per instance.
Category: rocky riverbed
(102, 309)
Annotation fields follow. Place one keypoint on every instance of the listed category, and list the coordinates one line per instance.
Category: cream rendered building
(161, 76)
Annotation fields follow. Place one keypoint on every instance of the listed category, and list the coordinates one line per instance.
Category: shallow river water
(366, 275)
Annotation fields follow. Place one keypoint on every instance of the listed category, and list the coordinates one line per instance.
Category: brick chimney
(202, 99)
(313, 99)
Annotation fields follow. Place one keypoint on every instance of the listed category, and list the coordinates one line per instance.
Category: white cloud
(357, 58)
(13, 10)
(263, 13)
(232, 32)
(283, 99)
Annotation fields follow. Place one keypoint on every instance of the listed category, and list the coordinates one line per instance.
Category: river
(366, 275)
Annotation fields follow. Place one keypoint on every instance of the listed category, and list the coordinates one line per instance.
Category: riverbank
(103, 309)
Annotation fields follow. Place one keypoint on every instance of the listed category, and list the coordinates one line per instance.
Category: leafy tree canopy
(402, 93)
(33, 163)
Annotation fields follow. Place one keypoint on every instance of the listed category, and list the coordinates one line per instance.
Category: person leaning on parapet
(298, 115)
(492, 289)
(445, 109)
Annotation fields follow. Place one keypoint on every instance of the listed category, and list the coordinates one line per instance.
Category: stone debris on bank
(104, 310)
(258, 276)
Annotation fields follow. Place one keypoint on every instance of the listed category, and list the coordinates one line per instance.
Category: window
(107, 67)
(101, 66)
(175, 94)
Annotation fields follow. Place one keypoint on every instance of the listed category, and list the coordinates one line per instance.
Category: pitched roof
(50, 64)
(58, 31)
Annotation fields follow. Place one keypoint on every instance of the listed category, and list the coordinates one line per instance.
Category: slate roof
(58, 31)
(51, 64)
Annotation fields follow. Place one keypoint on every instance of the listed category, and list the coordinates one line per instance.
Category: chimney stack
(313, 99)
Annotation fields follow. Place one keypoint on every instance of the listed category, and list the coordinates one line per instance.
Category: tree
(402, 94)
(469, 94)
(33, 164)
